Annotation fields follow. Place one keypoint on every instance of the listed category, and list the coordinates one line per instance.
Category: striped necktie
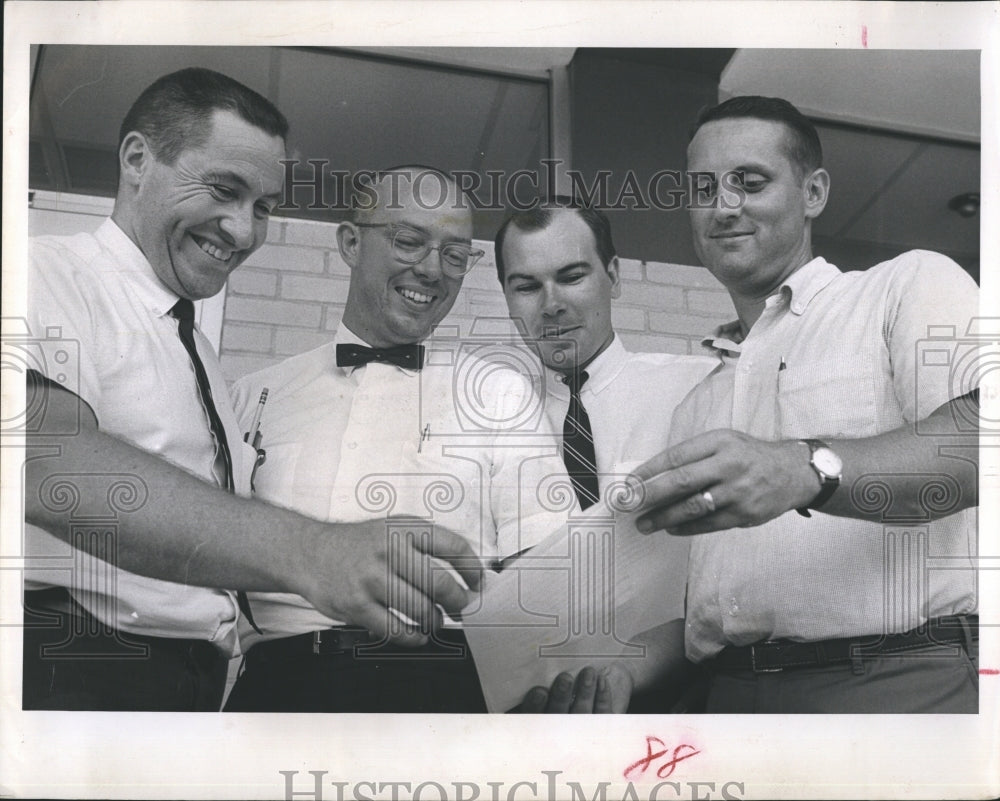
(183, 312)
(578, 444)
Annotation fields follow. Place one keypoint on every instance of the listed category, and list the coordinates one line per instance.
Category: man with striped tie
(126, 618)
(559, 272)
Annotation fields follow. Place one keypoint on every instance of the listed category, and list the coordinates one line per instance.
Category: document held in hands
(576, 599)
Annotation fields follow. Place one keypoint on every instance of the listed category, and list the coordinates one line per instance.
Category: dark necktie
(183, 312)
(410, 357)
(578, 444)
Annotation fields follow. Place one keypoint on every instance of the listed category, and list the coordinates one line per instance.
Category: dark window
(355, 111)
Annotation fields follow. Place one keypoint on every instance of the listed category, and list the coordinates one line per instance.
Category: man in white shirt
(559, 271)
(833, 575)
(131, 523)
(383, 420)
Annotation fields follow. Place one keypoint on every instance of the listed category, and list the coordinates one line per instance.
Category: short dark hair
(174, 111)
(804, 146)
(539, 217)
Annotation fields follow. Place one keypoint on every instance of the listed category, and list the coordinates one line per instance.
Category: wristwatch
(828, 467)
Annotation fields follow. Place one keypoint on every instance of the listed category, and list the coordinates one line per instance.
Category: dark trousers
(933, 669)
(285, 676)
(72, 661)
(932, 680)
(683, 692)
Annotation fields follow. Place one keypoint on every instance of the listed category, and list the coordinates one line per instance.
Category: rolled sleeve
(61, 323)
(929, 334)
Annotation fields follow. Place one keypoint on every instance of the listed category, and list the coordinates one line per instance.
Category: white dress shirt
(101, 317)
(630, 399)
(454, 443)
(837, 355)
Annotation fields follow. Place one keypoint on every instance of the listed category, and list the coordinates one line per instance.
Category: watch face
(827, 461)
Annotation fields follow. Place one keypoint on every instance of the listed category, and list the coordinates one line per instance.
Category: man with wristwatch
(828, 466)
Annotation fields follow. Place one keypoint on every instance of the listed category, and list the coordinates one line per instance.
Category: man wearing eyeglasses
(375, 424)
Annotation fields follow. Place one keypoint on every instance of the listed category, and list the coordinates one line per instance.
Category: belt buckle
(339, 639)
(753, 659)
(333, 645)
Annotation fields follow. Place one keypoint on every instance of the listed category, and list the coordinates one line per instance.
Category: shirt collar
(797, 291)
(133, 267)
(601, 371)
(807, 282)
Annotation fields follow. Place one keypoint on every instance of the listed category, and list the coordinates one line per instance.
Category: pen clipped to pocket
(254, 437)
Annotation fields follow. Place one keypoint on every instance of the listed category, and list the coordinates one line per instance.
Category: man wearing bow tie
(375, 423)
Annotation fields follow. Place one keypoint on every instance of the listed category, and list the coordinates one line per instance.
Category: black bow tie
(410, 357)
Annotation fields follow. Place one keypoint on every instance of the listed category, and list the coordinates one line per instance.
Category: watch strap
(828, 484)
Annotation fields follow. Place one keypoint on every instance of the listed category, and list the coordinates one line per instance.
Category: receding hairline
(383, 178)
(789, 138)
(170, 113)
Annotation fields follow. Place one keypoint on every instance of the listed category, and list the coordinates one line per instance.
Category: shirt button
(734, 608)
(352, 445)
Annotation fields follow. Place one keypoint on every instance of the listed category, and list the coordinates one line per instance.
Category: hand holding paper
(577, 599)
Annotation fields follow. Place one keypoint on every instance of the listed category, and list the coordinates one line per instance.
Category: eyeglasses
(412, 247)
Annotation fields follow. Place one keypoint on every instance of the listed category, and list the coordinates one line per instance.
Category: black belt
(339, 641)
(774, 656)
(58, 600)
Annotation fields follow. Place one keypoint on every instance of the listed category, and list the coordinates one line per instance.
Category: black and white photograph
(384, 384)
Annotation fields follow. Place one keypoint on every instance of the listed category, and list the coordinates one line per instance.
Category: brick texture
(290, 298)
(251, 281)
(711, 303)
(290, 295)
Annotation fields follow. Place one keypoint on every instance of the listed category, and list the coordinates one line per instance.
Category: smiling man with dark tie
(140, 614)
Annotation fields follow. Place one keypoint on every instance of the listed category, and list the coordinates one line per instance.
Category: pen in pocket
(253, 435)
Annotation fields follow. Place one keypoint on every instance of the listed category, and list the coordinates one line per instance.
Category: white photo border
(134, 755)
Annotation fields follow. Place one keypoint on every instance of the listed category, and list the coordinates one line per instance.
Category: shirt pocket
(244, 466)
(828, 400)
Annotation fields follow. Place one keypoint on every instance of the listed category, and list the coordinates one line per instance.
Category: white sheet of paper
(576, 599)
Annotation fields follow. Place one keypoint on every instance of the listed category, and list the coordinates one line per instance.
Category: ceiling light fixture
(966, 204)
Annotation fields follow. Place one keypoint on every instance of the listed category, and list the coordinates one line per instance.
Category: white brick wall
(290, 294)
(663, 307)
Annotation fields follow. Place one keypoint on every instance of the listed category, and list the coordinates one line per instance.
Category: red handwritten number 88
(667, 768)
